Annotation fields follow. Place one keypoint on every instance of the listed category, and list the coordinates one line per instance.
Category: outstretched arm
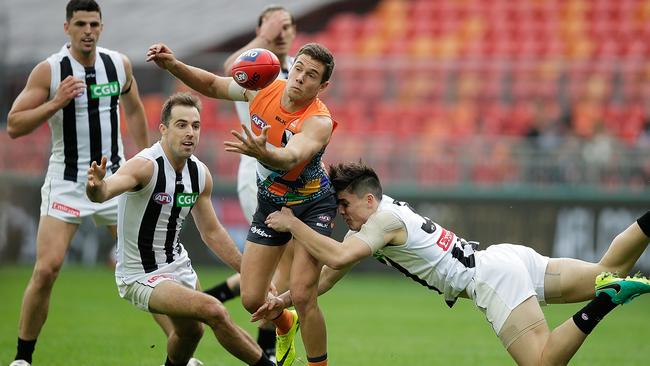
(327, 250)
(134, 174)
(32, 108)
(315, 134)
(202, 81)
(273, 306)
(212, 232)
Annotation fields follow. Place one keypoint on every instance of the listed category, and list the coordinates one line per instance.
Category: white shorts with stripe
(138, 289)
(506, 275)
(67, 201)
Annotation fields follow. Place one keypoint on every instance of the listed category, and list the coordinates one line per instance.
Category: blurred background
(506, 121)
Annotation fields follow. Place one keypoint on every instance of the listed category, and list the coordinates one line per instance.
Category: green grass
(372, 320)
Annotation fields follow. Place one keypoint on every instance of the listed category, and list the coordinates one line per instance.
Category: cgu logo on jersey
(105, 90)
(186, 199)
(162, 198)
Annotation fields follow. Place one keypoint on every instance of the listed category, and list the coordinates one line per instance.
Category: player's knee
(216, 314)
(45, 274)
(303, 298)
(193, 332)
(251, 303)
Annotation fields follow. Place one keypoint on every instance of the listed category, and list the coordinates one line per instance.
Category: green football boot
(621, 290)
(285, 347)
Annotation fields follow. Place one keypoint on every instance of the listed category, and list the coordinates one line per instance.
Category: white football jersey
(432, 256)
(150, 220)
(89, 126)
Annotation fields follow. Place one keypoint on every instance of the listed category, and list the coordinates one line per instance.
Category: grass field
(372, 320)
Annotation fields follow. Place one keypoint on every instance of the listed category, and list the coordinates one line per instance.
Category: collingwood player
(79, 91)
(507, 282)
(157, 189)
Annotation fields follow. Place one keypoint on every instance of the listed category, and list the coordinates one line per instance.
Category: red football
(256, 68)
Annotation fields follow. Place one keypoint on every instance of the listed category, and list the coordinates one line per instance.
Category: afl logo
(324, 218)
(240, 76)
(162, 198)
(257, 121)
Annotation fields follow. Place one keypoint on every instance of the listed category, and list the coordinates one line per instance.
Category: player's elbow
(12, 131)
(339, 261)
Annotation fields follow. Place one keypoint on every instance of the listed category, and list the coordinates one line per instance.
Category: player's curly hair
(357, 178)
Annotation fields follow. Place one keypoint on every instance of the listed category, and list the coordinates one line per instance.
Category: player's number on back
(428, 226)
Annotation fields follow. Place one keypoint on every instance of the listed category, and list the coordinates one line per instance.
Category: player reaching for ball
(290, 128)
(276, 31)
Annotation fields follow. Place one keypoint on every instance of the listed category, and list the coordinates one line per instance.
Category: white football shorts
(138, 290)
(506, 275)
(67, 201)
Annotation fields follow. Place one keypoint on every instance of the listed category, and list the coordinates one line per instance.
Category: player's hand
(270, 310)
(272, 25)
(161, 55)
(280, 220)
(251, 145)
(95, 182)
(70, 88)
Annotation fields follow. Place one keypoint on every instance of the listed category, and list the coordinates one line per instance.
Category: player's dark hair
(182, 99)
(356, 178)
(273, 8)
(81, 5)
(320, 54)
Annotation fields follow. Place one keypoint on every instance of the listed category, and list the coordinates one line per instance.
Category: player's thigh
(257, 267)
(525, 333)
(305, 269)
(53, 240)
(178, 301)
(570, 280)
(283, 271)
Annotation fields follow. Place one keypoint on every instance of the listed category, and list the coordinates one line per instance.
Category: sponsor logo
(252, 82)
(260, 232)
(105, 90)
(157, 278)
(240, 76)
(324, 225)
(67, 209)
(258, 121)
(162, 198)
(250, 55)
(584, 316)
(293, 124)
(324, 218)
(186, 199)
(277, 118)
(445, 239)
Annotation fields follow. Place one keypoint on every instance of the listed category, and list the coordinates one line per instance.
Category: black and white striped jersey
(89, 126)
(150, 220)
(432, 256)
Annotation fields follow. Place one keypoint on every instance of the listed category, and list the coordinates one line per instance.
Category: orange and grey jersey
(432, 256)
(308, 181)
(150, 219)
(89, 126)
